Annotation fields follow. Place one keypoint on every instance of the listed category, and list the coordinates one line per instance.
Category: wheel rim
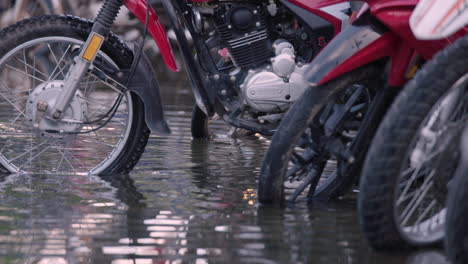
(419, 202)
(311, 161)
(29, 73)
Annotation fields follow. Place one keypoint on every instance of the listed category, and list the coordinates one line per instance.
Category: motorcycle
(319, 147)
(93, 111)
(415, 153)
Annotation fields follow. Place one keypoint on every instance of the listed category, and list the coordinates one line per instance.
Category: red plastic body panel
(380, 48)
(313, 4)
(396, 18)
(399, 44)
(400, 61)
(314, 7)
(156, 30)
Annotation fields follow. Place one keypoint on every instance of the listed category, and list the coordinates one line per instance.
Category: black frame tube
(199, 86)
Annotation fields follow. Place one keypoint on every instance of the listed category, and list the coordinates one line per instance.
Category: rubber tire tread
(79, 28)
(387, 152)
(303, 111)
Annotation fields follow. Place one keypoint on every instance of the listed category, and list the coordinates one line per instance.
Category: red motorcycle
(319, 147)
(88, 103)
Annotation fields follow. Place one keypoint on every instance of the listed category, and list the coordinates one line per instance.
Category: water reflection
(428, 256)
(188, 201)
(66, 219)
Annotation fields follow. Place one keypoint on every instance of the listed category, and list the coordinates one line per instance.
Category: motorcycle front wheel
(326, 117)
(406, 175)
(103, 130)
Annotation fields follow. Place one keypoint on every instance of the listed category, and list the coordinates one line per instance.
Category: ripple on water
(188, 201)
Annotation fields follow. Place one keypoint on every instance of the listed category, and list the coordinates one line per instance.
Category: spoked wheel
(102, 131)
(312, 152)
(430, 162)
(414, 155)
(324, 150)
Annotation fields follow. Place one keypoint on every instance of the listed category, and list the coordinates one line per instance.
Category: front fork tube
(100, 30)
(73, 78)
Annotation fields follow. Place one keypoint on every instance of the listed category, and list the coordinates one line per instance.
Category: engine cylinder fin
(248, 46)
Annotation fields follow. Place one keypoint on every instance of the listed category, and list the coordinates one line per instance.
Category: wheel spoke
(86, 93)
(58, 62)
(30, 68)
(8, 140)
(414, 203)
(17, 99)
(11, 124)
(460, 109)
(33, 158)
(17, 92)
(115, 98)
(12, 104)
(425, 212)
(100, 104)
(25, 73)
(72, 156)
(306, 182)
(414, 173)
(109, 85)
(53, 75)
(5, 85)
(30, 150)
(67, 161)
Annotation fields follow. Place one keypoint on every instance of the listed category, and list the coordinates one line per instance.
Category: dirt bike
(319, 147)
(94, 110)
(415, 153)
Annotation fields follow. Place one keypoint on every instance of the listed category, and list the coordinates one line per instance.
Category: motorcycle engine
(275, 86)
(271, 77)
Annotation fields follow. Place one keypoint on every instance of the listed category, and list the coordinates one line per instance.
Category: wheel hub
(40, 103)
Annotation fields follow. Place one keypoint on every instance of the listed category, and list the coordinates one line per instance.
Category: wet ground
(186, 202)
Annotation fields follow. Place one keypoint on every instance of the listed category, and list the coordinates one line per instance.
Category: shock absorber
(96, 38)
(106, 16)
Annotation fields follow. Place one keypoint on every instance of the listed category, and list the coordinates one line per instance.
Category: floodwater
(188, 201)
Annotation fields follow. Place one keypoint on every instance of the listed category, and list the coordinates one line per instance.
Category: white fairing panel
(436, 19)
(339, 11)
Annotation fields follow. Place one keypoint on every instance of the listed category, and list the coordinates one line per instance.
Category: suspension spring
(106, 16)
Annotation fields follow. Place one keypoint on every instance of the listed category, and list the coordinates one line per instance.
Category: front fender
(146, 86)
(155, 28)
(358, 44)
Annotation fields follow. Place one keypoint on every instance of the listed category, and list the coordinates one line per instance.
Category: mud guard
(358, 44)
(146, 86)
(155, 28)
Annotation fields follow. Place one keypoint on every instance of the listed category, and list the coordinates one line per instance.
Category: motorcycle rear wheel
(105, 131)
